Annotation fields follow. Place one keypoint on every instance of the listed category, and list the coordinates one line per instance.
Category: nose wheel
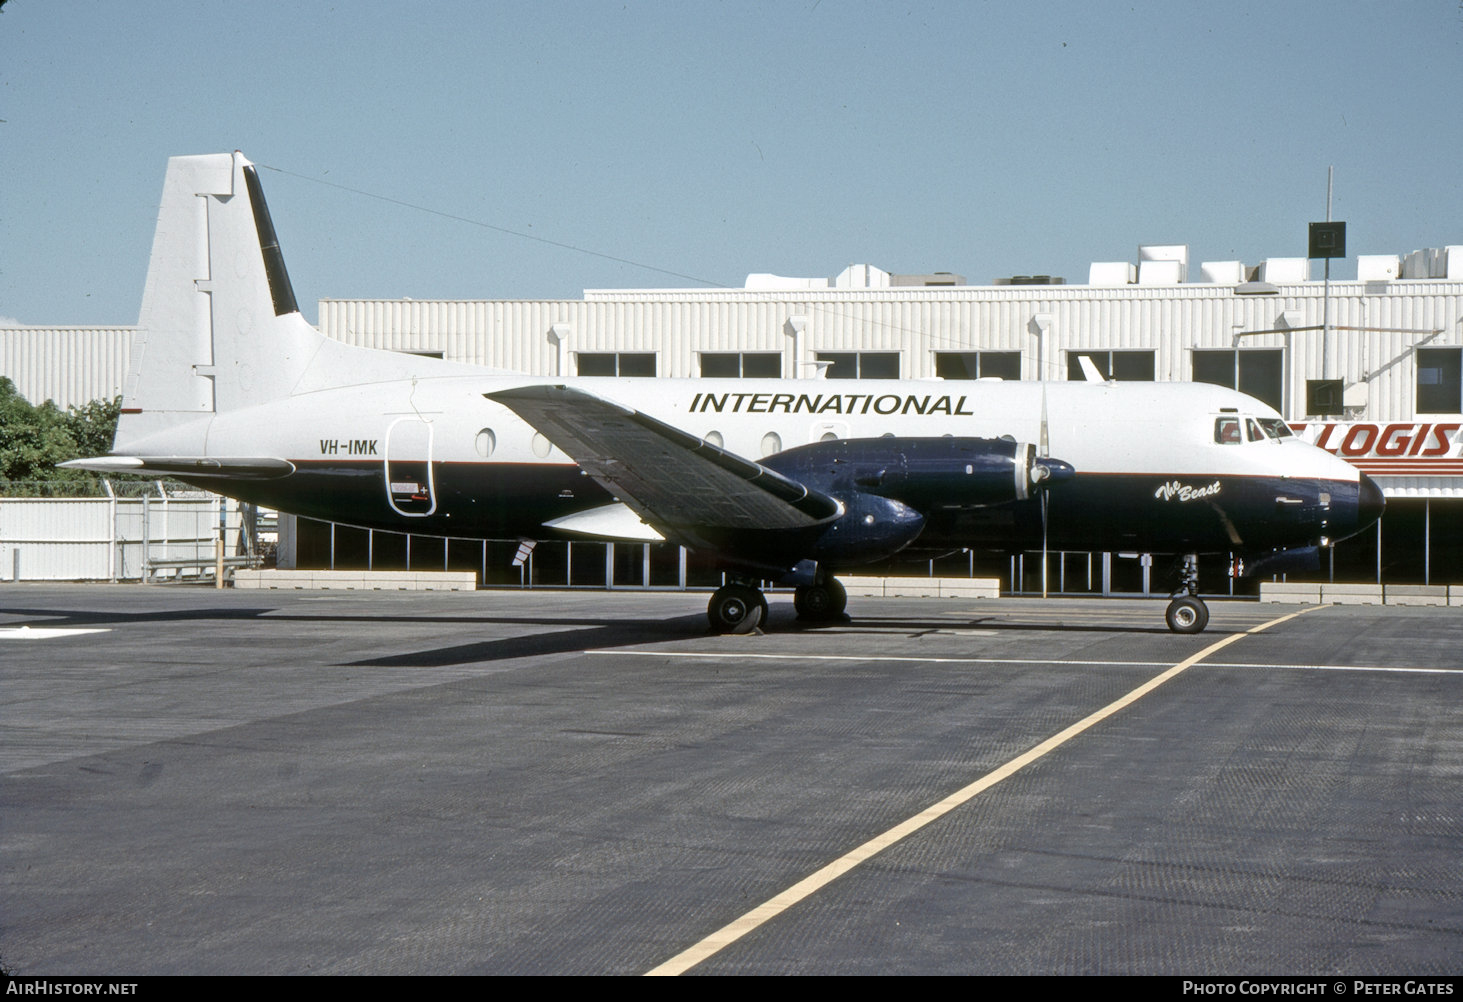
(1187, 613)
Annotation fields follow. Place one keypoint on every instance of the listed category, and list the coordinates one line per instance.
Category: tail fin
(219, 327)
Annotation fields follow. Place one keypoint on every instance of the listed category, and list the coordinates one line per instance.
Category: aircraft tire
(1187, 615)
(820, 603)
(736, 609)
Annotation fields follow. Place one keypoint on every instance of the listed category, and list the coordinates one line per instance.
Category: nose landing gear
(1187, 613)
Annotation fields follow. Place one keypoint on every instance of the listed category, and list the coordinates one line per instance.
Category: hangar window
(861, 364)
(615, 363)
(1127, 366)
(1260, 372)
(1439, 380)
(741, 364)
(978, 364)
(1323, 397)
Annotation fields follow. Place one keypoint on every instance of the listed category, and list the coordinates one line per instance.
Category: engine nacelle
(923, 472)
(870, 528)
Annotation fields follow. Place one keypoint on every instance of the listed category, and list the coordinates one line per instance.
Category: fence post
(218, 546)
(146, 538)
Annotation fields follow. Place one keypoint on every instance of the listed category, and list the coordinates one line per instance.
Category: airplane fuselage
(433, 455)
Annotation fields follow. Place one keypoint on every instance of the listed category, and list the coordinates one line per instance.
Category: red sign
(1399, 449)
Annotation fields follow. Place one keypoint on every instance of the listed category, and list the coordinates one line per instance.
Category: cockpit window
(1253, 427)
(1276, 428)
(1227, 431)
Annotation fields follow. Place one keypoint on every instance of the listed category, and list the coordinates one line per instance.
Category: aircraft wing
(666, 476)
(188, 467)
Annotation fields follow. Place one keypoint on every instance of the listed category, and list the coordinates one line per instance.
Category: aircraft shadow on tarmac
(584, 633)
(603, 634)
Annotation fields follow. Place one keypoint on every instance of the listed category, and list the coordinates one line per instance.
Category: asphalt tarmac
(534, 782)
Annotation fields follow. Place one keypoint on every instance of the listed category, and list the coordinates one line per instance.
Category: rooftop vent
(1032, 280)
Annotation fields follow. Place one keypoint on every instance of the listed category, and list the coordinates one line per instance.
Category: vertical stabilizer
(219, 327)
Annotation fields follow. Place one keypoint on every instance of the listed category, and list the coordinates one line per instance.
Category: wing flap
(611, 521)
(666, 476)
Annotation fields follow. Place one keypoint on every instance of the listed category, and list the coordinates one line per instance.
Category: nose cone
(1369, 502)
(1047, 471)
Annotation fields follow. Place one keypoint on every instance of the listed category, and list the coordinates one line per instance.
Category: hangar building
(1370, 368)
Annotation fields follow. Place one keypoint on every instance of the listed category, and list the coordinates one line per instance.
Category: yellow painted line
(774, 906)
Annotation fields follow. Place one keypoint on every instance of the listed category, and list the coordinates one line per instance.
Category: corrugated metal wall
(107, 539)
(70, 365)
(76, 365)
(1170, 320)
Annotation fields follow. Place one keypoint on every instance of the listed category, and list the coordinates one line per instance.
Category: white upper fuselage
(1160, 428)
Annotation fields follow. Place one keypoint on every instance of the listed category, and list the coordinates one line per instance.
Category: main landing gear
(820, 603)
(1187, 613)
(740, 607)
(736, 608)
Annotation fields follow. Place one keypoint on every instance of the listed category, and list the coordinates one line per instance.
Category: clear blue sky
(712, 139)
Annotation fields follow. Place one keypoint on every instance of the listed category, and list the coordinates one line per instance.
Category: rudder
(219, 327)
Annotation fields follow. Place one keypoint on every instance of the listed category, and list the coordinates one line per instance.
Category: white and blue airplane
(781, 481)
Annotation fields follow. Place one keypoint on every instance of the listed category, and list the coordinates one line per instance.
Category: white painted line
(46, 632)
(912, 658)
(1382, 668)
(743, 656)
(776, 905)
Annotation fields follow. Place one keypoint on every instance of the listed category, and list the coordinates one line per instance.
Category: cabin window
(1260, 372)
(741, 365)
(1439, 380)
(615, 363)
(978, 364)
(1125, 366)
(1227, 431)
(861, 364)
(486, 441)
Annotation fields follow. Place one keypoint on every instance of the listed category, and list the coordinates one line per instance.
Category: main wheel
(735, 609)
(820, 603)
(1187, 615)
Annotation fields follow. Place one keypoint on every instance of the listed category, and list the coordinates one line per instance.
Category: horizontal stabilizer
(671, 479)
(187, 467)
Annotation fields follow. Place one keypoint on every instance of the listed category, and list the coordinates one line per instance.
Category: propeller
(1040, 474)
(1045, 472)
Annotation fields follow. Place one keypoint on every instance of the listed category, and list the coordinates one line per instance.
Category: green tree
(34, 439)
